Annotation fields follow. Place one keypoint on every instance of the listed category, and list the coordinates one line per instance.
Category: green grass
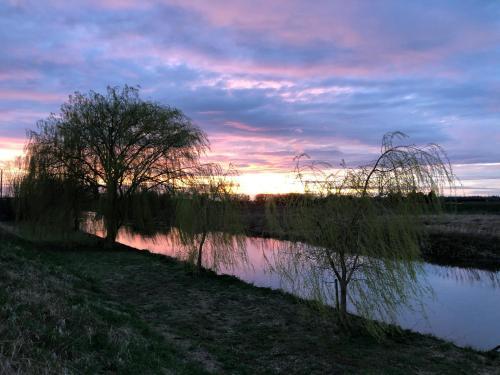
(55, 321)
(91, 310)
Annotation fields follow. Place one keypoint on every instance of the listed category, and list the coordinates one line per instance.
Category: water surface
(464, 307)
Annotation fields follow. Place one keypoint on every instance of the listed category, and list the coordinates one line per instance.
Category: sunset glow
(270, 80)
(10, 148)
(267, 183)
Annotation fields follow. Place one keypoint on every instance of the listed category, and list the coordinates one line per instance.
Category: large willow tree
(359, 227)
(115, 145)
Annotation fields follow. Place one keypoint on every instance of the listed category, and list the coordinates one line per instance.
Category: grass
(463, 250)
(57, 321)
(463, 240)
(85, 309)
(479, 225)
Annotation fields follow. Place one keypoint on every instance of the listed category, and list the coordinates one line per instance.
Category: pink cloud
(351, 26)
(18, 74)
(375, 61)
(12, 143)
(290, 20)
(242, 126)
(122, 4)
(26, 95)
(172, 56)
(10, 148)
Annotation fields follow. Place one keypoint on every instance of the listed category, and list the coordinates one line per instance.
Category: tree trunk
(76, 222)
(111, 216)
(343, 300)
(111, 232)
(200, 251)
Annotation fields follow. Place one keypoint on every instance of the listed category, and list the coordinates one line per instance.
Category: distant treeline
(422, 199)
(162, 207)
(472, 205)
(456, 199)
(473, 198)
(458, 204)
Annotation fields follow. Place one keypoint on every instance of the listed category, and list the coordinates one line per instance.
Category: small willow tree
(208, 222)
(359, 227)
(115, 145)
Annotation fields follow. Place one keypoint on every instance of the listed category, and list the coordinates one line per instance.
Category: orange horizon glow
(265, 179)
(255, 183)
(10, 149)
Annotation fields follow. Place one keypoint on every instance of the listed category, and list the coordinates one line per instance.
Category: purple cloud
(270, 79)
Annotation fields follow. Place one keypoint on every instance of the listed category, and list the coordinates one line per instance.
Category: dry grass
(486, 225)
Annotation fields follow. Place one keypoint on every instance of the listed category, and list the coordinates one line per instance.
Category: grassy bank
(463, 250)
(54, 319)
(86, 309)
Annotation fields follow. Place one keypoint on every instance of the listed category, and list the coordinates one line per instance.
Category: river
(464, 307)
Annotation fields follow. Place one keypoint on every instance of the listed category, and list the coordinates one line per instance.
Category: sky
(269, 79)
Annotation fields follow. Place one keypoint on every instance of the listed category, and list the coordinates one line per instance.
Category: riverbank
(121, 310)
(463, 240)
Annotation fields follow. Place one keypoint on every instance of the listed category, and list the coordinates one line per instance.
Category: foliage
(115, 145)
(207, 215)
(148, 210)
(48, 202)
(359, 227)
(10, 173)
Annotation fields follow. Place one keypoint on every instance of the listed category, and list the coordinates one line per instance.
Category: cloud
(267, 80)
(30, 96)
